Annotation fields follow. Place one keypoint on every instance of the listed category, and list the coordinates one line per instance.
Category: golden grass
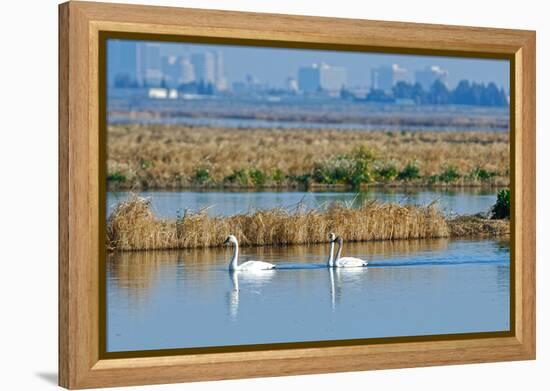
(162, 156)
(465, 226)
(133, 226)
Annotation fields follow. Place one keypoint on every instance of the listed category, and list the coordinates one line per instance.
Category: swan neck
(234, 259)
(331, 255)
(339, 252)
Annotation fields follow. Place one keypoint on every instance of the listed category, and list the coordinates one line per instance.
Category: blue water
(180, 299)
(166, 203)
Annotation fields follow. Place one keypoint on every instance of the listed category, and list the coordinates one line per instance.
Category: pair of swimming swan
(339, 262)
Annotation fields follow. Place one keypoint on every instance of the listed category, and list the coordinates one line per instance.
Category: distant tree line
(465, 93)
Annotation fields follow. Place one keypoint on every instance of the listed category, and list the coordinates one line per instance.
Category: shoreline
(315, 187)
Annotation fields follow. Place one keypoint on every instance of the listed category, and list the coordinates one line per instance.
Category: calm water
(159, 300)
(166, 203)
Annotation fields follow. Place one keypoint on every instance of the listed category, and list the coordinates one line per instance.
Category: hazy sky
(274, 65)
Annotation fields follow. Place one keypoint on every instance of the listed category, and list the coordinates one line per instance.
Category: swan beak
(226, 241)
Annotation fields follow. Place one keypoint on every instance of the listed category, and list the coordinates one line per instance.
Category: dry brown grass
(132, 226)
(158, 156)
(465, 226)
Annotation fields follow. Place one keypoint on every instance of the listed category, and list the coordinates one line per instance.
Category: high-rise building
(121, 63)
(427, 77)
(187, 71)
(172, 71)
(321, 77)
(204, 65)
(385, 77)
(333, 79)
(221, 81)
(149, 70)
(309, 79)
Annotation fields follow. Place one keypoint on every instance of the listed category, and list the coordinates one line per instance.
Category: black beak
(226, 241)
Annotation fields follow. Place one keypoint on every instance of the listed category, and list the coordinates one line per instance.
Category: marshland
(142, 157)
(413, 176)
(188, 166)
(428, 210)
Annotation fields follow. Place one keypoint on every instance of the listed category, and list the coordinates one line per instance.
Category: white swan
(249, 265)
(346, 261)
(331, 239)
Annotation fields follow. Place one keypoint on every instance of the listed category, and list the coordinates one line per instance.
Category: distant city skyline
(227, 64)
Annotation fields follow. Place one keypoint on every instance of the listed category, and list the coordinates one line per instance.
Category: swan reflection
(249, 281)
(340, 277)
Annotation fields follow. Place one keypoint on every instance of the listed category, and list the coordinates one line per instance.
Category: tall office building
(321, 77)
(149, 69)
(172, 71)
(204, 65)
(309, 79)
(221, 81)
(333, 79)
(429, 75)
(385, 77)
(121, 63)
(187, 71)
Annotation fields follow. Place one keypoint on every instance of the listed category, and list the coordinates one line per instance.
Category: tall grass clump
(202, 176)
(386, 171)
(448, 175)
(116, 177)
(501, 208)
(481, 174)
(410, 172)
(133, 226)
(350, 169)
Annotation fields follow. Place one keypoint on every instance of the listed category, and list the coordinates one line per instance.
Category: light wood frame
(80, 240)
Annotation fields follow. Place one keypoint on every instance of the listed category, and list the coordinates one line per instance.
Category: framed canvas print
(247, 195)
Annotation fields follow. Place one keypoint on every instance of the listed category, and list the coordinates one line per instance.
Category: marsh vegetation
(176, 157)
(133, 226)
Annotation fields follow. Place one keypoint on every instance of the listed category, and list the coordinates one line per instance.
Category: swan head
(339, 240)
(331, 237)
(230, 239)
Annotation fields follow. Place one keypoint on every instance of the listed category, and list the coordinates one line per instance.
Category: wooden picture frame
(81, 243)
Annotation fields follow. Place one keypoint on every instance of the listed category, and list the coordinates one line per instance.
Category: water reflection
(344, 277)
(251, 280)
(165, 204)
(188, 298)
(136, 272)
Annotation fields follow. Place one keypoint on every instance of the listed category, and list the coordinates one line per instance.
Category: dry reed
(132, 226)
